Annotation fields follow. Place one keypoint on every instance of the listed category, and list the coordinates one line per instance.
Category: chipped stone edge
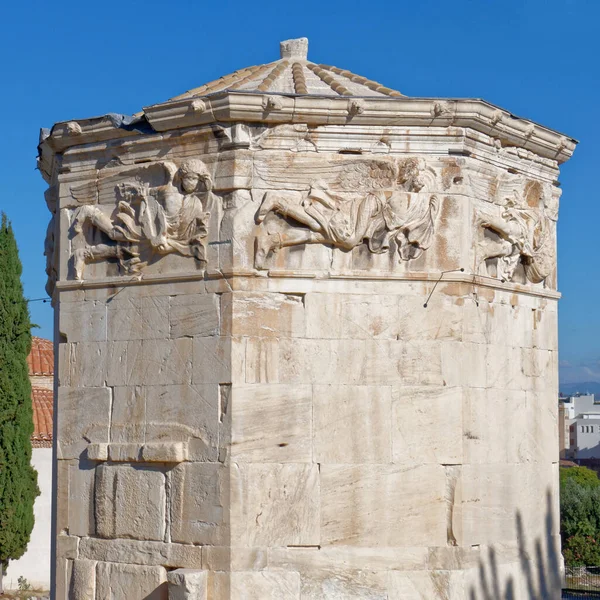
(232, 106)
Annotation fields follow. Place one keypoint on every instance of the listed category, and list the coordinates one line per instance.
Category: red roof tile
(43, 411)
(41, 358)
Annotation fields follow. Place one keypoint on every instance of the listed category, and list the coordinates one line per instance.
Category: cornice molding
(247, 107)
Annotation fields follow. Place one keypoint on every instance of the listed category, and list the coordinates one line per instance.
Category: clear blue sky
(537, 58)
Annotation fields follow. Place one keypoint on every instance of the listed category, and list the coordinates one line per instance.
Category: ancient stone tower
(306, 336)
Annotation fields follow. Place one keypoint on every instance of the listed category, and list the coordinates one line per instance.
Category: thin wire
(436, 283)
(39, 300)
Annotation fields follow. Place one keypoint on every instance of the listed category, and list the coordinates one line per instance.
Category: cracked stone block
(130, 502)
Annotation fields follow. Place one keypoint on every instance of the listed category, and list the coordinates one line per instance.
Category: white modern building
(580, 404)
(585, 436)
(581, 414)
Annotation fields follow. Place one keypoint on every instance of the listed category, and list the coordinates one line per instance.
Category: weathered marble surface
(254, 400)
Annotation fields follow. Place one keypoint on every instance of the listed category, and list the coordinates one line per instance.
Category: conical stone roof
(293, 73)
(295, 90)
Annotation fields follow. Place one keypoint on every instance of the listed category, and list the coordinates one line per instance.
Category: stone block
(383, 505)
(504, 369)
(61, 498)
(128, 415)
(80, 511)
(142, 552)
(86, 364)
(167, 452)
(271, 423)
(194, 315)
(350, 558)
(83, 580)
(382, 316)
(160, 362)
(212, 360)
(354, 362)
(82, 321)
(261, 360)
(83, 417)
(124, 452)
(492, 434)
(275, 505)
(352, 424)
(199, 493)
(140, 318)
(63, 375)
(238, 225)
(425, 584)
(64, 569)
(344, 583)
(130, 502)
(187, 584)
(427, 425)
(257, 585)
(463, 364)
(263, 314)
(135, 362)
(97, 452)
(544, 334)
(539, 427)
(179, 413)
(67, 546)
(130, 582)
(324, 318)
(477, 322)
(496, 496)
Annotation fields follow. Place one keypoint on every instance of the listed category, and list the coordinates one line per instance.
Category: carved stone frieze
(150, 220)
(50, 242)
(377, 202)
(517, 228)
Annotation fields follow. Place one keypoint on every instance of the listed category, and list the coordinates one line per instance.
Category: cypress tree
(18, 479)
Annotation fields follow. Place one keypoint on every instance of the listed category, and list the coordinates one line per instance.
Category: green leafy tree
(18, 479)
(582, 551)
(579, 508)
(581, 475)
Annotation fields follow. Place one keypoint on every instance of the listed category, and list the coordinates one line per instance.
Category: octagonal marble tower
(306, 336)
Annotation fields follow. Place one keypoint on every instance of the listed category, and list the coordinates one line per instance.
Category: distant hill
(587, 387)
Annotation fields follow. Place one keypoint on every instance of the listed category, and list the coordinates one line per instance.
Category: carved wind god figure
(150, 221)
(522, 231)
(348, 219)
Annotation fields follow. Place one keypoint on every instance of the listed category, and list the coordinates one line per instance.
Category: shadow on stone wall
(539, 567)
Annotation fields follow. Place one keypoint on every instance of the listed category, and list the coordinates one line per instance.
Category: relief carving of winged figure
(347, 219)
(521, 220)
(150, 220)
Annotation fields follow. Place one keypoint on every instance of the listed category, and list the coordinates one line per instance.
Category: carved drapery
(517, 227)
(149, 221)
(385, 203)
(395, 206)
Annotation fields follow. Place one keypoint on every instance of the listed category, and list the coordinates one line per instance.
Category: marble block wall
(303, 361)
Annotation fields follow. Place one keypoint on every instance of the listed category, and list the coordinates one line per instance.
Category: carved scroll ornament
(404, 214)
(150, 220)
